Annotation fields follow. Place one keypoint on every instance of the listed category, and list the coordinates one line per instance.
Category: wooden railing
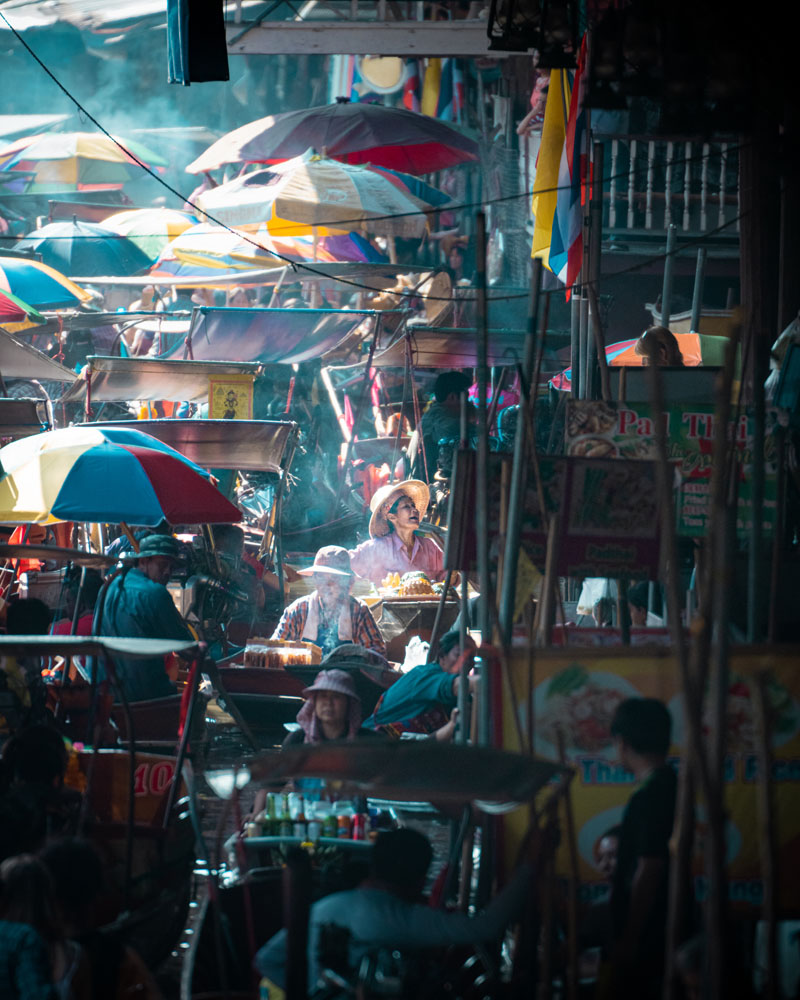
(654, 183)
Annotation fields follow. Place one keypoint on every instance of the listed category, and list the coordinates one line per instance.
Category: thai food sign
(597, 429)
(575, 692)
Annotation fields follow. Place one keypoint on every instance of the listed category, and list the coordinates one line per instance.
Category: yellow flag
(431, 88)
(545, 184)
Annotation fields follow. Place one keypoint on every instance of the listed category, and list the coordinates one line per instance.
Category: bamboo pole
(482, 482)
(595, 253)
(519, 466)
(766, 831)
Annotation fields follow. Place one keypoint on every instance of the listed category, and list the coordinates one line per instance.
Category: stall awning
(223, 444)
(20, 360)
(271, 336)
(147, 379)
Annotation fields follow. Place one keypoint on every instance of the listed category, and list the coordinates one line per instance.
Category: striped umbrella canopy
(207, 250)
(151, 229)
(39, 285)
(77, 247)
(77, 161)
(319, 191)
(696, 349)
(15, 313)
(355, 133)
(89, 473)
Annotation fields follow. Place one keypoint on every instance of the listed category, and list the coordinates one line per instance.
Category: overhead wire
(309, 268)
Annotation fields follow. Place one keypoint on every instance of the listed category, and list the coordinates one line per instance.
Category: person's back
(387, 911)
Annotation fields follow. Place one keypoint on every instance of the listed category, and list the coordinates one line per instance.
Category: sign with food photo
(574, 695)
(597, 429)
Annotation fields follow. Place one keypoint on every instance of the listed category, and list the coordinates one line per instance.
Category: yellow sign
(230, 397)
(576, 692)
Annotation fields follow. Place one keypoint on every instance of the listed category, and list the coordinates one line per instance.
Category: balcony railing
(654, 183)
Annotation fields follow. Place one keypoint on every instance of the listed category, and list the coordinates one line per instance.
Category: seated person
(394, 546)
(329, 616)
(87, 594)
(332, 711)
(386, 911)
(659, 346)
(423, 700)
(137, 603)
(638, 599)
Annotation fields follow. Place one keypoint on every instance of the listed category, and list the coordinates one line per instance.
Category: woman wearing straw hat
(329, 616)
(394, 546)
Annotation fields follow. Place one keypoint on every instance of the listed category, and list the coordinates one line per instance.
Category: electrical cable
(301, 266)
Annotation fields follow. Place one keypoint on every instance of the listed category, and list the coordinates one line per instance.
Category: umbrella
(319, 191)
(84, 248)
(357, 133)
(697, 350)
(86, 473)
(207, 250)
(39, 285)
(13, 312)
(150, 228)
(77, 161)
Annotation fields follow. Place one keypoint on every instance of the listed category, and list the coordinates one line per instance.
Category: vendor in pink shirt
(394, 546)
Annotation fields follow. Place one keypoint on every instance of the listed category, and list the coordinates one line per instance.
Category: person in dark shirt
(641, 729)
(137, 603)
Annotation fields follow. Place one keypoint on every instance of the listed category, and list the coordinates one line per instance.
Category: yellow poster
(230, 397)
(576, 692)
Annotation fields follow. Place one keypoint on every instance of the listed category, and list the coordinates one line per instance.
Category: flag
(548, 162)
(566, 247)
(412, 85)
(443, 93)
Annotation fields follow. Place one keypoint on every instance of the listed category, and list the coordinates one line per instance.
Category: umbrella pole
(130, 536)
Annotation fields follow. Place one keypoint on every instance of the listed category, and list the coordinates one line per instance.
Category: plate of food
(410, 586)
(580, 704)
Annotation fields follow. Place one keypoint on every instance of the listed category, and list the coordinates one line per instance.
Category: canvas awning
(147, 379)
(438, 347)
(271, 336)
(20, 360)
(223, 444)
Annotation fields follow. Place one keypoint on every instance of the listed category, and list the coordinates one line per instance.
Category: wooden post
(766, 831)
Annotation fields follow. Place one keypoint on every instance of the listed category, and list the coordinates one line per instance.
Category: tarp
(223, 444)
(435, 347)
(20, 360)
(148, 379)
(271, 336)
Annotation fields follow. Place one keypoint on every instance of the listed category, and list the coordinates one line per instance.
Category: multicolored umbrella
(319, 191)
(77, 161)
(356, 133)
(90, 473)
(207, 250)
(14, 312)
(39, 285)
(77, 247)
(151, 229)
(696, 349)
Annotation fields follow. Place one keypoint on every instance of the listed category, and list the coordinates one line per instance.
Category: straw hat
(331, 559)
(332, 680)
(383, 499)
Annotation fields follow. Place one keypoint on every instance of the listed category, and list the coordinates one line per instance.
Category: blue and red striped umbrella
(106, 474)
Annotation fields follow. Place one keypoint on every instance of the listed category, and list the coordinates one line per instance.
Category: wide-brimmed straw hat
(333, 680)
(384, 498)
(332, 559)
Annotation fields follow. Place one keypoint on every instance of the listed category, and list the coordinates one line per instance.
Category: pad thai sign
(596, 429)
(576, 692)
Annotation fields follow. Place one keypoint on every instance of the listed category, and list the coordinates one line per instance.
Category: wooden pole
(766, 831)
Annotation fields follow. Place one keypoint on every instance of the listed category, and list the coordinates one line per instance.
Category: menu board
(597, 429)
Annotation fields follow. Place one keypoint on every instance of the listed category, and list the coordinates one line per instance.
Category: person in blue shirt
(137, 603)
(424, 699)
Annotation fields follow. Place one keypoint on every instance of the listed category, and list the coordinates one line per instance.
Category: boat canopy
(224, 444)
